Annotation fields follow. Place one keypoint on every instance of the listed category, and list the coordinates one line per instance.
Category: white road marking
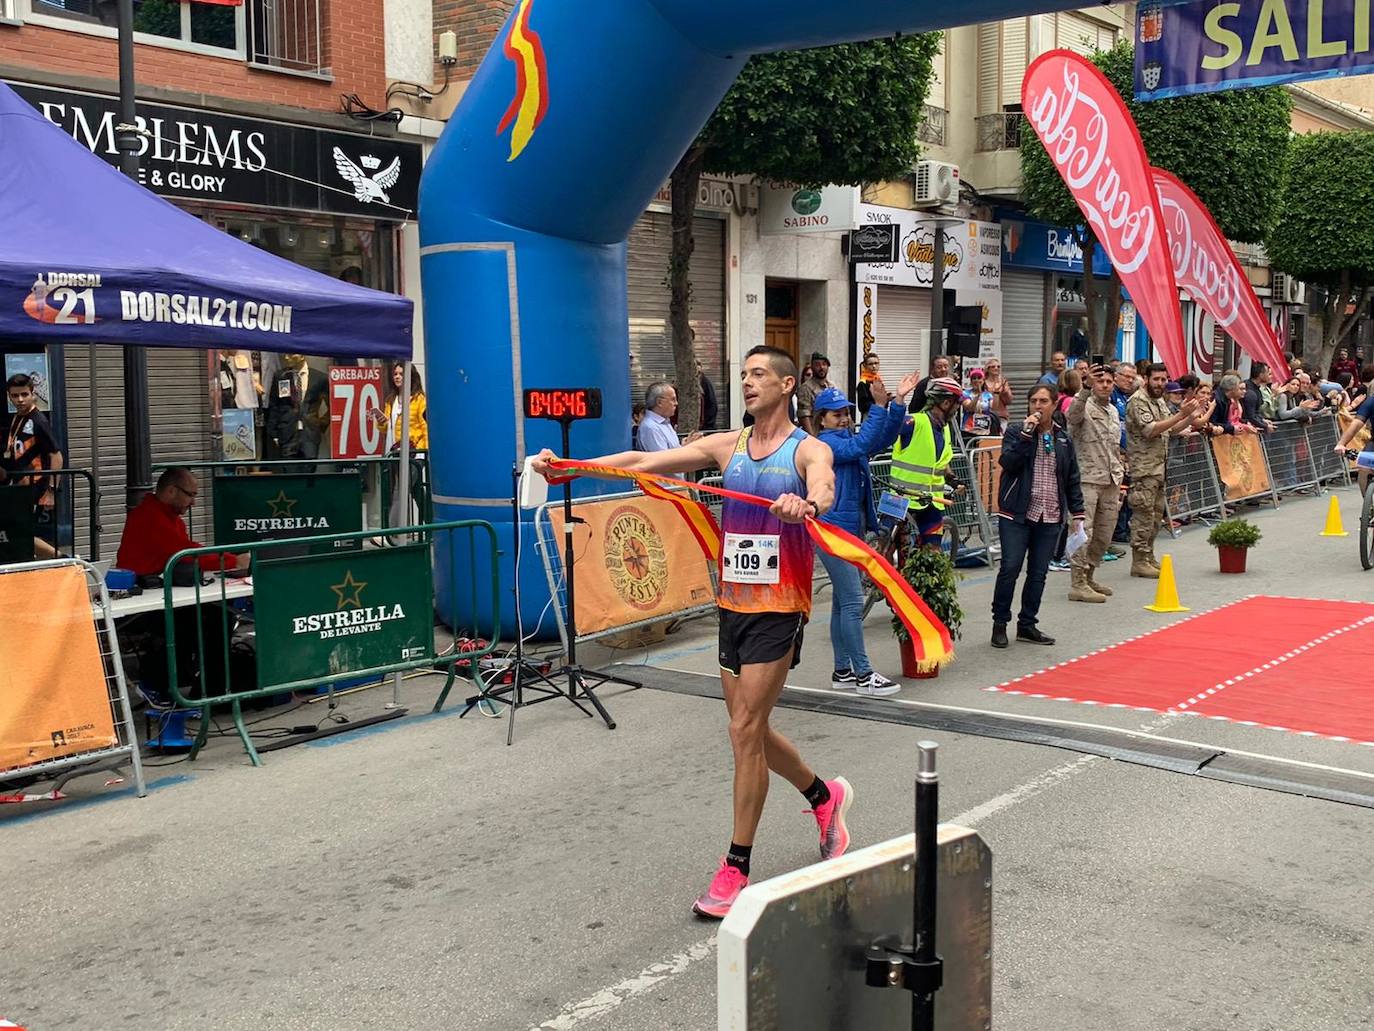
(604, 1002)
(596, 1006)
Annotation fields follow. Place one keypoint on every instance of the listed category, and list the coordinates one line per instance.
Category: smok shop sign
(328, 614)
(831, 209)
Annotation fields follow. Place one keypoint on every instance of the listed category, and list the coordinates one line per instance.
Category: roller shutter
(647, 274)
(903, 322)
(179, 428)
(1023, 330)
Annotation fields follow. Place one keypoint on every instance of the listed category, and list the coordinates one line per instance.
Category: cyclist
(853, 512)
(922, 456)
(1359, 421)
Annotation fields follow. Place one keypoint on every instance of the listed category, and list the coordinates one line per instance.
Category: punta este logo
(350, 616)
(282, 518)
(525, 50)
(1078, 137)
(635, 558)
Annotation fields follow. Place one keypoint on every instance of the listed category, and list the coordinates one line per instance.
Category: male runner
(765, 597)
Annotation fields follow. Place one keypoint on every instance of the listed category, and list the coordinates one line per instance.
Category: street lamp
(137, 445)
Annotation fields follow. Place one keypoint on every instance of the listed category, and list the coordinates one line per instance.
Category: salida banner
(1090, 136)
(328, 614)
(1207, 269)
(249, 509)
(1185, 46)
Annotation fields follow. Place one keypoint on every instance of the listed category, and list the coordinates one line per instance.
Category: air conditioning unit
(1287, 290)
(937, 183)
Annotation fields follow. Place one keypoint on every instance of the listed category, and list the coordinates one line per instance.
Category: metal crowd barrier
(61, 478)
(1290, 457)
(550, 548)
(124, 752)
(1323, 433)
(218, 594)
(1192, 489)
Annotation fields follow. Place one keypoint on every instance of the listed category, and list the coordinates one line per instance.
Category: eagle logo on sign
(368, 187)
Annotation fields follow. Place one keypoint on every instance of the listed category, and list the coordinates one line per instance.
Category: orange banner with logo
(53, 698)
(637, 559)
(1240, 464)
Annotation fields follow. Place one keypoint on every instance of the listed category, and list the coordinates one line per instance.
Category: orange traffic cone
(1334, 528)
(1166, 594)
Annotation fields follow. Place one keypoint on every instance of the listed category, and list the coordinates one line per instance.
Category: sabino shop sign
(831, 209)
(193, 154)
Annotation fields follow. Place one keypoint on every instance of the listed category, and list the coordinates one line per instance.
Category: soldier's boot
(1079, 589)
(1101, 589)
(1141, 566)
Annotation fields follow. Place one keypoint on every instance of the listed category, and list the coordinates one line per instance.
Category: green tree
(844, 114)
(1229, 147)
(1324, 234)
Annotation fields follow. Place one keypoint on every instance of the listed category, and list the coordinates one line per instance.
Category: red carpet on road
(1288, 663)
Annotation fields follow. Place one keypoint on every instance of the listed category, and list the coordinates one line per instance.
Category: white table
(182, 597)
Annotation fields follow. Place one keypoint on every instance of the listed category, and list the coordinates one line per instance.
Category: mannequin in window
(297, 410)
(239, 383)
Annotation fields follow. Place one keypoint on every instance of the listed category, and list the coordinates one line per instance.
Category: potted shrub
(1232, 538)
(932, 575)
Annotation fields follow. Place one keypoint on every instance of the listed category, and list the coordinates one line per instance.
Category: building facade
(241, 125)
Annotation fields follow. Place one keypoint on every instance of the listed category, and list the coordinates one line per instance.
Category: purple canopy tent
(88, 255)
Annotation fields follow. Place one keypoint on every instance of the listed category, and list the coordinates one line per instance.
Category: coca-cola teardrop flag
(1093, 141)
(1206, 269)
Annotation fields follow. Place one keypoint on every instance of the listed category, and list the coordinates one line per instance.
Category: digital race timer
(563, 404)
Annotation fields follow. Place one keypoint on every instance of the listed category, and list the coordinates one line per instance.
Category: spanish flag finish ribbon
(929, 637)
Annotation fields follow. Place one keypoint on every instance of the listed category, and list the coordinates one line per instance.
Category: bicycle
(1366, 516)
(890, 538)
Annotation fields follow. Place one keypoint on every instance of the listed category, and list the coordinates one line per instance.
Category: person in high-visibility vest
(922, 455)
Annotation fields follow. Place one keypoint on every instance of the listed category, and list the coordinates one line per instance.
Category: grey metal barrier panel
(968, 508)
(1323, 434)
(125, 749)
(550, 548)
(1191, 487)
(1290, 459)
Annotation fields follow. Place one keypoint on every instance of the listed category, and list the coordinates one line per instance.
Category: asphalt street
(420, 874)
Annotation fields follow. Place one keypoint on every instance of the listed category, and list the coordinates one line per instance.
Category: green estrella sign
(267, 508)
(320, 615)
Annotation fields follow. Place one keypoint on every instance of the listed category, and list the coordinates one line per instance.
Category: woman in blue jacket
(853, 512)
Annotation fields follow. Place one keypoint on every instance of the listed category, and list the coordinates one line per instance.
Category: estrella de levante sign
(1201, 46)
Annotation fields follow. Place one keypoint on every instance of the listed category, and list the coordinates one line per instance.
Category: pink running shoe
(725, 888)
(830, 818)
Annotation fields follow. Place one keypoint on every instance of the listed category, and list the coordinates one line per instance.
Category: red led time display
(563, 404)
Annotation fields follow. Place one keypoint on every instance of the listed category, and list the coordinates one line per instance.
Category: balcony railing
(287, 35)
(1000, 131)
(932, 128)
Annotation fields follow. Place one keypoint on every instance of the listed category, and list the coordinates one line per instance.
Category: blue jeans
(1019, 539)
(846, 615)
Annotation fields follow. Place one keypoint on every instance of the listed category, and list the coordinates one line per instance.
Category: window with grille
(217, 26)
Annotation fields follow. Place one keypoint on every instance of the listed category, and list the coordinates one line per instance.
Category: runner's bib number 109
(750, 558)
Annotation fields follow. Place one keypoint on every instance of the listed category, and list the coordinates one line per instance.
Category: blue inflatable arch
(574, 120)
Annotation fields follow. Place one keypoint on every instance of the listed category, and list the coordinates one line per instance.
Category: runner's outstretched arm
(704, 453)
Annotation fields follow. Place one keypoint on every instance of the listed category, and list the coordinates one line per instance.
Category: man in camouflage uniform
(1149, 425)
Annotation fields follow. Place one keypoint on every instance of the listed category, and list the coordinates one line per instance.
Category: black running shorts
(757, 638)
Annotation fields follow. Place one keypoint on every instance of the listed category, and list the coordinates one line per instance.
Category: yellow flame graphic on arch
(524, 48)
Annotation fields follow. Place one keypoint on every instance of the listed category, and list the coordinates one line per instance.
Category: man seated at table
(153, 533)
(156, 530)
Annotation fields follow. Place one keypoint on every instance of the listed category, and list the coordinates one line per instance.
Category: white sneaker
(876, 684)
(843, 680)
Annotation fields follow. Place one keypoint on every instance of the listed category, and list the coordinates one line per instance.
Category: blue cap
(831, 399)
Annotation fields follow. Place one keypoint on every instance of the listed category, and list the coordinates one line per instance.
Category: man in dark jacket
(1038, 490)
